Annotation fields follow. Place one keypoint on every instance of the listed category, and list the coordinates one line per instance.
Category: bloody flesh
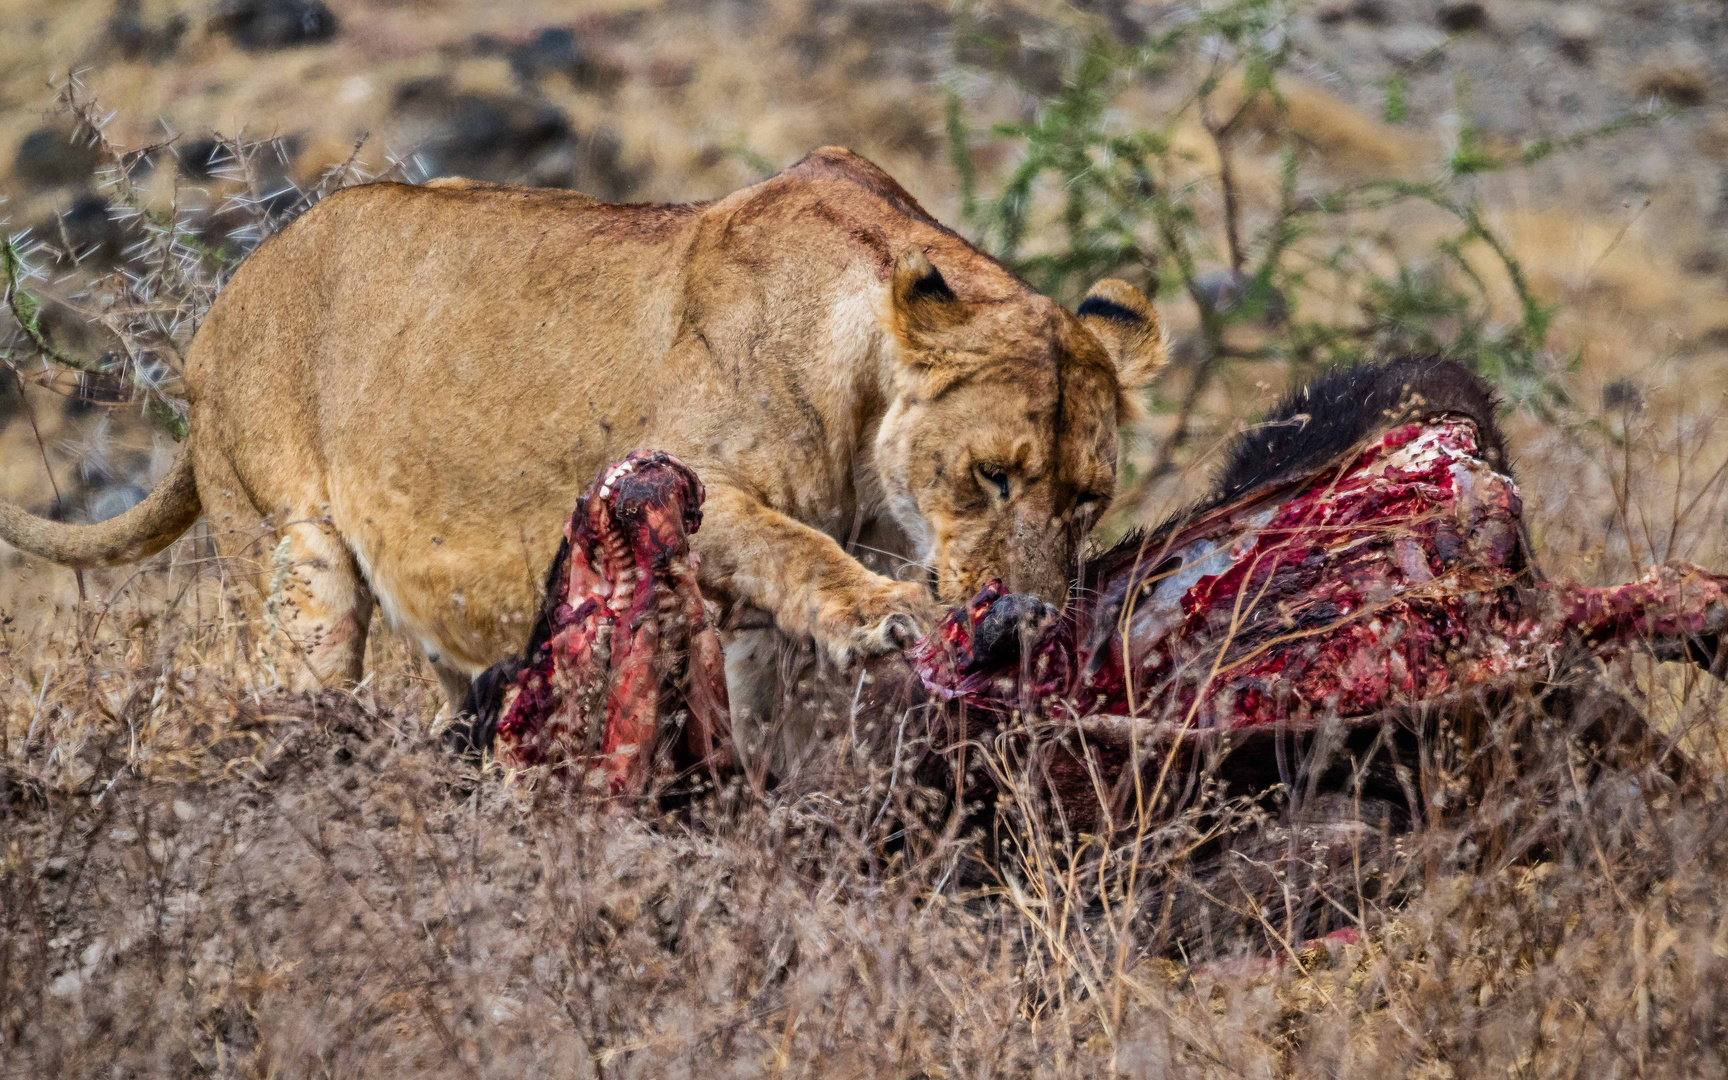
(1374, 575)
(1387, 581)
(626, 670)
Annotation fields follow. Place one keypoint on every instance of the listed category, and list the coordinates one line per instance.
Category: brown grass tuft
(1676, 81)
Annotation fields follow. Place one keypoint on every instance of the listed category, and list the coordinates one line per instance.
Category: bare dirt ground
(201, 875)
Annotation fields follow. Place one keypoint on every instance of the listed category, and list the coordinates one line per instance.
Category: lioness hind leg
(308, 606)
(315, 608)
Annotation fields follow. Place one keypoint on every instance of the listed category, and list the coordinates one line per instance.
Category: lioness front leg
(806, 580)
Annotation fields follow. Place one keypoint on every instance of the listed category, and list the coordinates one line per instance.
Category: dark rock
(1576, 31)
(987, 41)
(1009, 47)
(55, 509)
(279, 200)
(136, 39)
(1680, 80)
(231, 228)
(203, 158)
(1456, 18)
(1041, 70)
(513, 138)
(1372, 12)
(552, 49)
(1703, 261)
(811, 50)
(493, 135)
(97, 389)
(1125, 18)
(260, 25)
(51, 157)
(268, 164)
(1622, 394)
(555, 51)
(84, 234)
(238, 222)
(902, 22)
(91, 230)
(11, 400)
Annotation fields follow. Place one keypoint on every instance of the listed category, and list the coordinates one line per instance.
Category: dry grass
(1680, 80)
(201, 875)
(205, 876)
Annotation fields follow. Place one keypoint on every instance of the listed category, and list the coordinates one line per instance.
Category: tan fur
(400, 396)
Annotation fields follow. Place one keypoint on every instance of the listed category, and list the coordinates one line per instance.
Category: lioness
(398, 397)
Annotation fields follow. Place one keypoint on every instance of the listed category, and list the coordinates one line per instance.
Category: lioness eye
(994, 476)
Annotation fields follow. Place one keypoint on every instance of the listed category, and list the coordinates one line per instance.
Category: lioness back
(398, 398)
(448, 369)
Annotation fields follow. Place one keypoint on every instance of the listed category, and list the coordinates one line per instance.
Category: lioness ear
(1126, 324)
(923, 302)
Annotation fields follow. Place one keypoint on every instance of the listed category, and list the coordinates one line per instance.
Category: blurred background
(1539, 188)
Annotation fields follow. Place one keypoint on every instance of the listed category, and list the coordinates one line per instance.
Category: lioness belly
(454, 530)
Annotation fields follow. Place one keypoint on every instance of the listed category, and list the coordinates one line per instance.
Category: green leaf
(1394, 110)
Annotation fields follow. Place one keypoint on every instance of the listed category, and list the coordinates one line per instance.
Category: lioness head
(997, 452)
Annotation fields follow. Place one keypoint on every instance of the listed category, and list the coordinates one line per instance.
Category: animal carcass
(1361, 558)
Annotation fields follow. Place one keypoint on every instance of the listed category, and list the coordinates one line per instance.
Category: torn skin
(625, 676)
(1393, 579)
(1347, 584)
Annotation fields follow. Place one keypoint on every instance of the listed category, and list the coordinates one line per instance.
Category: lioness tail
(137, 534)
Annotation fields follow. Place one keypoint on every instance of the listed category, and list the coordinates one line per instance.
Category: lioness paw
(896, 632)
(883, 620)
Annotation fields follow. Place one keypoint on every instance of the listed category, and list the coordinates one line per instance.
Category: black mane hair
(1314, 426)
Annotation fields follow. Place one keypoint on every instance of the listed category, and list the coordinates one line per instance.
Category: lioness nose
(1044, 575)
